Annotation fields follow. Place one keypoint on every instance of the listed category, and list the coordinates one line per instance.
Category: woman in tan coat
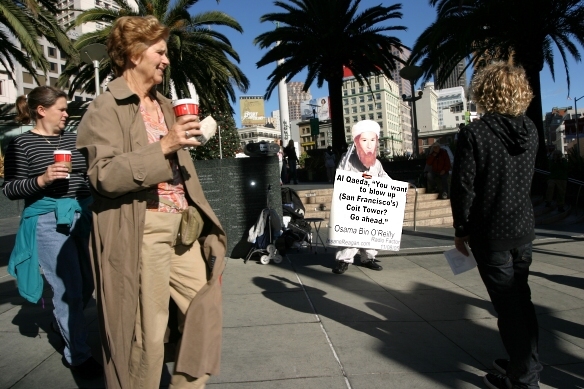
(143, 181)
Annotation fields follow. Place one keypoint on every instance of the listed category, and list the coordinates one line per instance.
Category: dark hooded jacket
(491, 182)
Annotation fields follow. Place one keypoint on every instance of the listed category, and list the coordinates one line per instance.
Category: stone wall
(237, 189)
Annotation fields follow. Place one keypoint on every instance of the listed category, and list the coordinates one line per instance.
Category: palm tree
(197, 54)
(324, 36)
(521, 31)
(27, 21)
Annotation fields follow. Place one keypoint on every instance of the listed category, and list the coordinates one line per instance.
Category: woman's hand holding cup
(182, 134)
(56, 171)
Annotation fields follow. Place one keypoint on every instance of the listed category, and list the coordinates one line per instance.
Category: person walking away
(330, 163)
(146, 191)
(364, 160)
(558, 179)
(280, 158)
(492, 212)
(438, 167)
(55, 223)
(292, 158)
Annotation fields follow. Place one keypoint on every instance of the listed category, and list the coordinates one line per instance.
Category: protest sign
(367, 212)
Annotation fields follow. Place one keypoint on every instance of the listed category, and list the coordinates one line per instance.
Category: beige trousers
(167, 270)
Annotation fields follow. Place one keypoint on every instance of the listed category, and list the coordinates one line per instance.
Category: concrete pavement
(297, 325)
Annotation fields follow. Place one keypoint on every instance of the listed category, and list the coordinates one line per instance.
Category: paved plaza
(298, 325)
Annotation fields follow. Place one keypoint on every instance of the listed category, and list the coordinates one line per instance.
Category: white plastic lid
(62, 152)
(183, 101)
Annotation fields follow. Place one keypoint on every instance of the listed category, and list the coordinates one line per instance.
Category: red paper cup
(185, 107)
(63, 156)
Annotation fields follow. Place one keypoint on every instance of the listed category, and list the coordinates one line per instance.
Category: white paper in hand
(459, 263)
(208, 128)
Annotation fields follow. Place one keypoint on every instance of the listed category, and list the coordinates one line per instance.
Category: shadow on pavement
(574, 282)
(538, 250)
(469, 332)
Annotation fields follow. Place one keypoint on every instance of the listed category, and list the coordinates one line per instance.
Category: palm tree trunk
(534, 112)
(335, 89)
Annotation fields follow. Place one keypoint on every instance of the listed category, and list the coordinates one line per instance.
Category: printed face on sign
(366, 144)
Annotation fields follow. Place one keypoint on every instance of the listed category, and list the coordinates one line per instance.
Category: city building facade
(563, 128)
(379, 101)
(310, 142)
(406, 124)
(427, 110)
(452, 106)
(456, 78)
(254, 134)
(404, 85)
(252, 111)
(296, 96)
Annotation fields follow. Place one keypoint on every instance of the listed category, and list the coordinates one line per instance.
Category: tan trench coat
(121, 164)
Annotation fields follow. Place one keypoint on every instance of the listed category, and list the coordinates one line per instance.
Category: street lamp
(576, 123)
(412, 73)
(94, 54)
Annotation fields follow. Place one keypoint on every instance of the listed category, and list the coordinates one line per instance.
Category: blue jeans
(70, 279)
(505, 273)
(433, 179)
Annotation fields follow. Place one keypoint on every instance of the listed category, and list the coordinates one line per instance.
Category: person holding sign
(364, 160)
(492, 211)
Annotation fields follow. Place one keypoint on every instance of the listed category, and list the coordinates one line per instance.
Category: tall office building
(403, 84)
(427, 109)
(381, 102)
(456, 78)
(296, 96)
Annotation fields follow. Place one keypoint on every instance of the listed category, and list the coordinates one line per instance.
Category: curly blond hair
(502, 88)
(130, 37)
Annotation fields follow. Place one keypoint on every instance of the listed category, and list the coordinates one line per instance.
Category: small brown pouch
(191, 223)
(191, 226)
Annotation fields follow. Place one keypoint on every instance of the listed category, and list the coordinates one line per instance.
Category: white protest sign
(367, 212)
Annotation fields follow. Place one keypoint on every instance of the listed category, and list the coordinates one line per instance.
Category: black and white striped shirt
(28, 156)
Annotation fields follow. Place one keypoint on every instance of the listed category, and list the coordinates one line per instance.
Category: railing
(410, 185)
(572, 180)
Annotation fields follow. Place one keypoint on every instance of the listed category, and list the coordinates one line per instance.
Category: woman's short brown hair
(130, 37)
(502, 88)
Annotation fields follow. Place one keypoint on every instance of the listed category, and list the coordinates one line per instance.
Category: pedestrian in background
(146, 191)
(292, 158)
(492, 211)
(557, 180)
(55, 223)
(330, 163)
(280, 155)
(438, 168)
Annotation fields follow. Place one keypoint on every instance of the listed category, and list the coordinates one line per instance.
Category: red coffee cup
(185, 107)
(64, 157)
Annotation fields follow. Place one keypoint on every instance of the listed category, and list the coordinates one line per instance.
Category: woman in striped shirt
(55, 224)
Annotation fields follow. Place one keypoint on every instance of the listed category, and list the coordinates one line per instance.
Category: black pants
(505, 276)
(292, 172)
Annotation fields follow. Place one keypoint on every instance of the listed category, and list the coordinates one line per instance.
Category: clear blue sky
(417, 15)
